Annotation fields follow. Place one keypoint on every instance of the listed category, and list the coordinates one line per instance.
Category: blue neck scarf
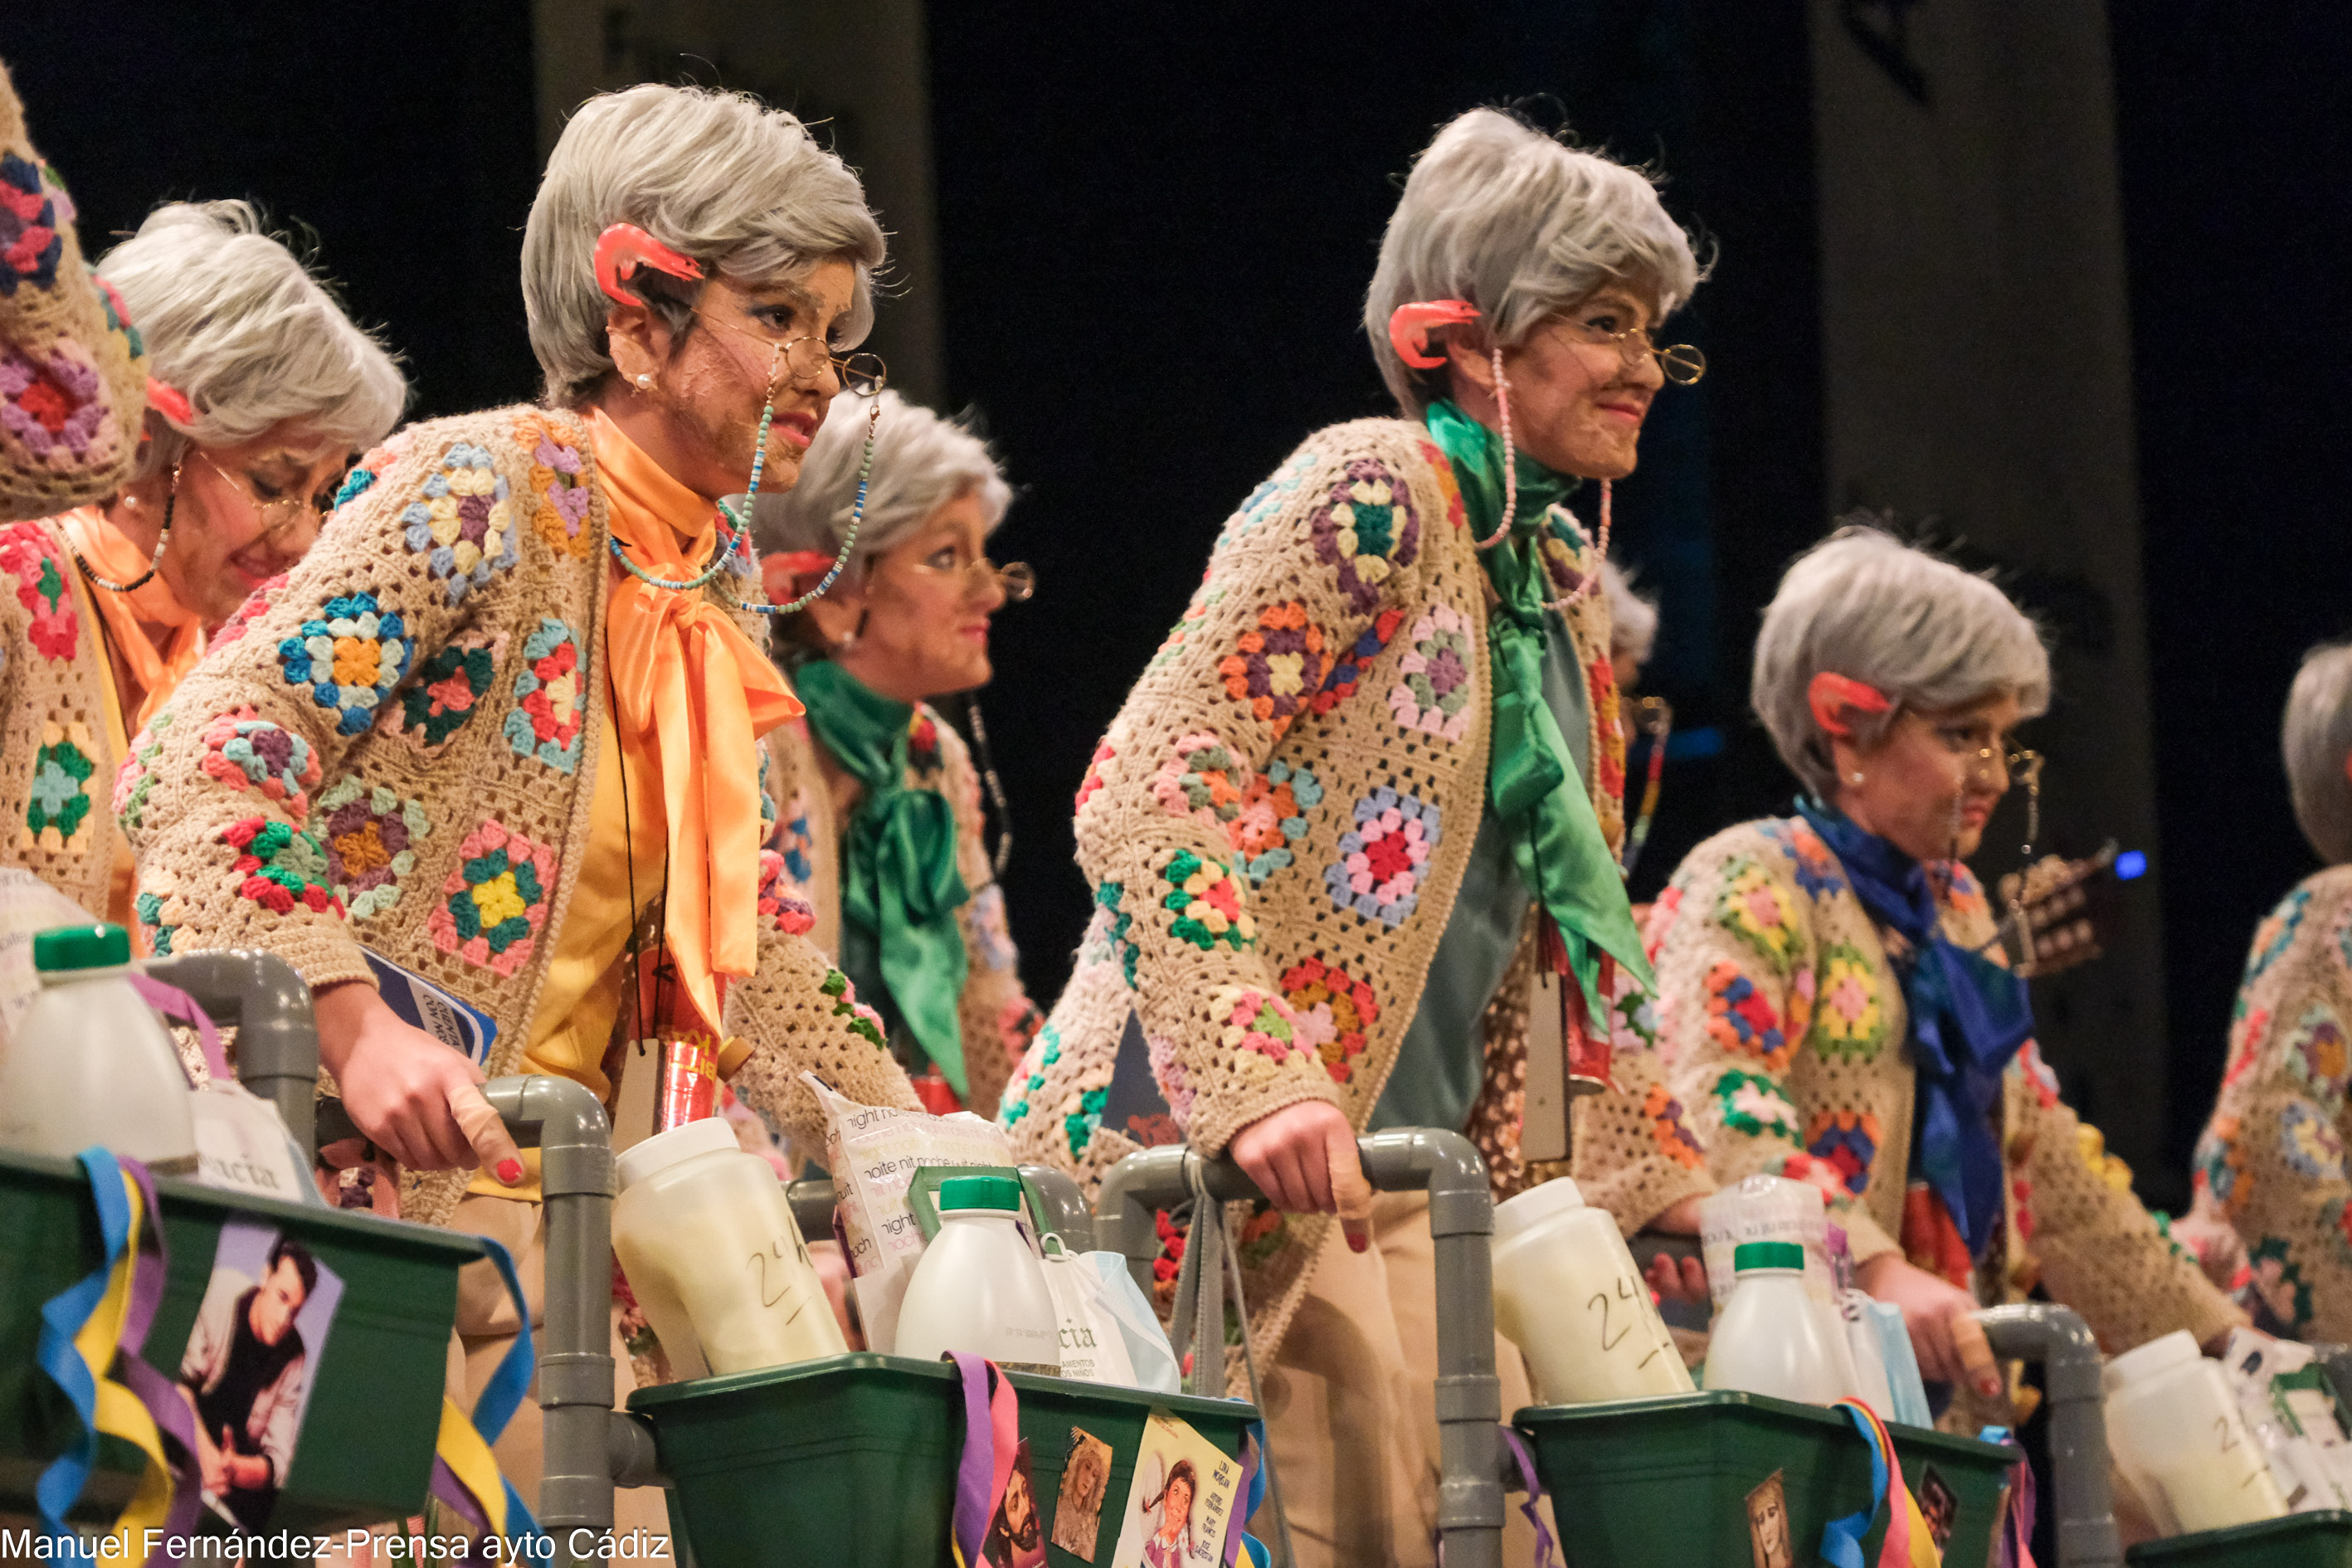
(1969, 1017)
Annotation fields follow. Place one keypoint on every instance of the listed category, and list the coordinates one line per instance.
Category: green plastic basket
(851, 1459)
(1666, 1479)
(365, 1453)
(2298, 1541)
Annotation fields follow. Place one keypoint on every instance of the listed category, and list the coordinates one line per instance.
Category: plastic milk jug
(1770, 1339)
(2181, 1439)
(979, 1288)
(1568, 1294)
(707, 1242)
(92, 1063)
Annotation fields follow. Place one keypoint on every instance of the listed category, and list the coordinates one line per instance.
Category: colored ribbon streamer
(89, 1346)
(899, 885)
(1557, 845)
(1532, 1484)
(2013, 1543)
(1908, 1543)
(992, 1441)
(180, 1007)
(1253, 1492)
(465, 1474)
(1969, 1017)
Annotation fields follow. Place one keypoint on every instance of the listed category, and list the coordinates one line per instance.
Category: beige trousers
(1351, 1402)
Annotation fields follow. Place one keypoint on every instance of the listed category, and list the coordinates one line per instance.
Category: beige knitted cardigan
(2272, 1159)
(1783, 1028)
(1275, 825)
(73, 372)
(997, 1017)
(438, 661)
(57, 759)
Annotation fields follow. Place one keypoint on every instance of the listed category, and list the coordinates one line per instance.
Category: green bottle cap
(980, 1192)
(63, 948)
(1750, 1255)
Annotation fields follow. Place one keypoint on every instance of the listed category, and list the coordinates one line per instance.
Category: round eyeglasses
(1680, 364)
(1017, 579)
(807, 357)
(279, 514)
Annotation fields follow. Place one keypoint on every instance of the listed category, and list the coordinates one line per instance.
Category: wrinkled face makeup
(714, 381)
(1579, 393)
(1930, 786)
(244, 514)
(925, 608)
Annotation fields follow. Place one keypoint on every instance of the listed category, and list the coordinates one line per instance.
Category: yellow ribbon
(119, 1412)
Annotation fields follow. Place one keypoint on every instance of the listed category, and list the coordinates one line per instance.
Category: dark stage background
(1152, 233)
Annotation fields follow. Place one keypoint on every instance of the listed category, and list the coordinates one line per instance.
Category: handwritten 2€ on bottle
(1567, 1293)
(707, 1239)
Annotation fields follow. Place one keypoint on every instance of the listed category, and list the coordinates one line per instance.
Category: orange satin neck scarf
(157, 672)
(693, 695)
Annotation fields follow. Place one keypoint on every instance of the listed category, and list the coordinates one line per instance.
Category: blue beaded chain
(738, 526)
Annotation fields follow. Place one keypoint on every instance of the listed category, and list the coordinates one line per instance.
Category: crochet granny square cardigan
(2272, 1159)
(1276, 822)
(56, 755)
(997, 1018)
(1783, 1027)
(392, 747)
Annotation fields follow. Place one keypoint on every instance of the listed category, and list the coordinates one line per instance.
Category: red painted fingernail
(510, 1170)
(1359, 1243)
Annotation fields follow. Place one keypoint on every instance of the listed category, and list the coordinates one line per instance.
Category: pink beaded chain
(1511, 499)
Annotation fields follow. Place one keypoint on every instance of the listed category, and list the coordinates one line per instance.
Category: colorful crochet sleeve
(2271, 1161)
(1298, 590)
(218, 793)
(997, 1016)
(1738, 961)
(797, 1011)
(2097, 1248)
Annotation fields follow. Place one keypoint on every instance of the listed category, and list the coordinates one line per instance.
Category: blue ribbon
(502, 1395)
(62, 1316)
(1841, 1538)
(1969, 1017)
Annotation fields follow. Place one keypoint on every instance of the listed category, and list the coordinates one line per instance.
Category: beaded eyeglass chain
(1511, 500)
(736, 527)
(171, 503)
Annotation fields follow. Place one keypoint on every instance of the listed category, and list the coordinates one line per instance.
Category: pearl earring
(1854, 777)
(645, 379)
(130, 501)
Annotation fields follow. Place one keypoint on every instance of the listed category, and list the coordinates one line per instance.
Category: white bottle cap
(1535, 1205)
(2162, 1353)
(711, 1135)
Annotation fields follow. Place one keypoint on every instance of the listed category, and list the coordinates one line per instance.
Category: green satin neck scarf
(900, 885)
(1532, 784)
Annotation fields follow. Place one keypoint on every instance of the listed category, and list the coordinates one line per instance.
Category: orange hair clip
(1411, 324)
(1830, 695)
(624, 247)
(169, 402)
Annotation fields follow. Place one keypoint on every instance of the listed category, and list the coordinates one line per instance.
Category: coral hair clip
(1410, 326)
(169, 402)
(1830, 695)
(624, 247)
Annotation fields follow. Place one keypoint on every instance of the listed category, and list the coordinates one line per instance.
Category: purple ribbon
(152, 1388)
(976, 1471)
(175, 1003)
(1532, 1485)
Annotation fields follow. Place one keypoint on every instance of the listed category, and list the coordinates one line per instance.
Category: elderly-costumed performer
(521, 664)
(882, 849)
(2270, 1169)
(1379, 752)
(263, 393)
(1836, 1007)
